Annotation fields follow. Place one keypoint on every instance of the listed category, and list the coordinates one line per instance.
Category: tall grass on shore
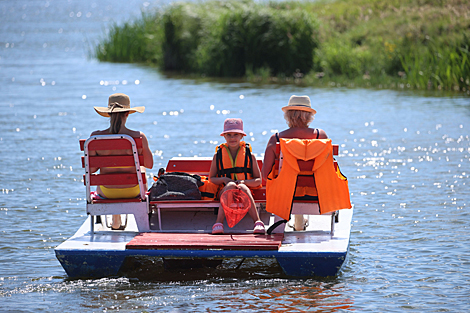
(439, 67)
(421, 44)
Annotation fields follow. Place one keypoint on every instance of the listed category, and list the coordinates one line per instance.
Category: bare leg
(252, 211)
(299, 222)
(116, 221)
(221, 214)
(116, 218)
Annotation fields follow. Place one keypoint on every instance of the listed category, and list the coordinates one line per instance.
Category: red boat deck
(205, 241)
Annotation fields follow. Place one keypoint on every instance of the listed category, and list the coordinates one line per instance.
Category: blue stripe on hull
(108, 263)
(91, 264)
(301, 265)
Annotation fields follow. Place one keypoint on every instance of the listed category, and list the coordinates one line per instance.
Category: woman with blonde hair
(298, 115)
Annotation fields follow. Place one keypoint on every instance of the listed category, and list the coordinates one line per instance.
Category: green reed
(130, 42)
(437, 65)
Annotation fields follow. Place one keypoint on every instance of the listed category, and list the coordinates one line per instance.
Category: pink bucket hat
(233, 125)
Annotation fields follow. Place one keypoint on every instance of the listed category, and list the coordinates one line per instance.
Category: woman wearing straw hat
(298, 115)
(118, 111)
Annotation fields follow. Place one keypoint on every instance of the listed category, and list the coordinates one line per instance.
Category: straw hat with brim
(118, 102)
(301, 103)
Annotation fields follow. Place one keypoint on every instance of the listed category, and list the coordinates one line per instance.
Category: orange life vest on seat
(208, 190)
(332, 186)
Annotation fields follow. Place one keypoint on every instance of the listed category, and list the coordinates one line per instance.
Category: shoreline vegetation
(407, 44)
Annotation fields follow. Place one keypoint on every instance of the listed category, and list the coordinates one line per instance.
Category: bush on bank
(224, 39)
(420, 44)
(252, 37)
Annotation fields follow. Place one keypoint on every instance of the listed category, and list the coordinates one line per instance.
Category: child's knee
(230, 185)
(245, 188)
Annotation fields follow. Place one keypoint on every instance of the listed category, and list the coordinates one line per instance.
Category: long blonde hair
(116, 121)
(297, 118)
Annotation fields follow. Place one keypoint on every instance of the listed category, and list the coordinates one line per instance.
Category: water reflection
(222, 295)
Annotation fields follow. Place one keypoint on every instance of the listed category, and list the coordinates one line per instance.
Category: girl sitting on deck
(234, 167)
(118, 110)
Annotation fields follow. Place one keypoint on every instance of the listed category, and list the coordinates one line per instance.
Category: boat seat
(125, 154)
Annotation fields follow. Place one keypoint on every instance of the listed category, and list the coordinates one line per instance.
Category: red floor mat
(205, 241)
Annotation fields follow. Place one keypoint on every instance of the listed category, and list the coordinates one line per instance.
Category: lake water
(406, 155)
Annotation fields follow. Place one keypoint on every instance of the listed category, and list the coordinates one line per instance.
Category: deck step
(205, 241)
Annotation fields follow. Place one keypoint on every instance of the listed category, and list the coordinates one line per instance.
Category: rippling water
(406, 155)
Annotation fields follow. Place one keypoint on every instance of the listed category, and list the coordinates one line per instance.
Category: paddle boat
(162, 238)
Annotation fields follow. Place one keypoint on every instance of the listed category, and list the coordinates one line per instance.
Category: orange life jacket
(239, 169)
(208, 190)
(332, 186)
(305, 188)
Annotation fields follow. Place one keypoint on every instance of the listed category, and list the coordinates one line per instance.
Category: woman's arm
(148, 157)
(269, 157)
(213, 174)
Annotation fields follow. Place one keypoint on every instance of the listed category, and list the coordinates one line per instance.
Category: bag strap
(273, 226)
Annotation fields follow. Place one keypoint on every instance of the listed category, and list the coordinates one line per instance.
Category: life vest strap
(219, 162)
(248, 166)
(235, 170)
(207, 194)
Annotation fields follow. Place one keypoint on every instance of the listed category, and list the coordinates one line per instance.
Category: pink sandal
(218, 229)
(259, 228)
